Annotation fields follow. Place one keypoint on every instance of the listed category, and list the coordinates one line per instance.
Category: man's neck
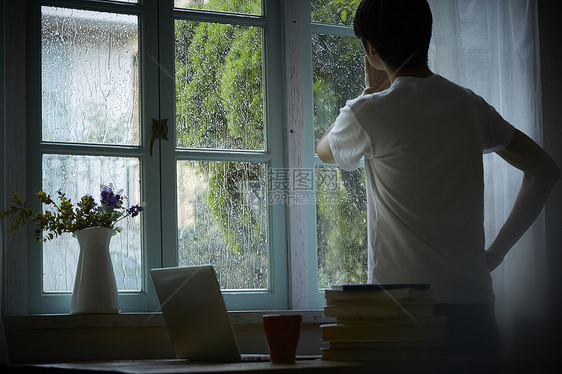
(421, 72)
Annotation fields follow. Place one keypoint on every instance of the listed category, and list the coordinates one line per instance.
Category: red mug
(282, 332)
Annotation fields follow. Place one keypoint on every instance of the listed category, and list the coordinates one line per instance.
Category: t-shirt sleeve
(499, 132)
(348, 140)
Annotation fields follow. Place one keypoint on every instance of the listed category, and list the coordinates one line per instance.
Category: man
(422, 138)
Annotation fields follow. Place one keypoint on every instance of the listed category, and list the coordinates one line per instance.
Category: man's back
(422, 224)
(423, 157)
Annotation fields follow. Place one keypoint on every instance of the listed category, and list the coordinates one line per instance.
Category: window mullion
(166, 88)
(151, 166)
(297, 92)
(33, 181)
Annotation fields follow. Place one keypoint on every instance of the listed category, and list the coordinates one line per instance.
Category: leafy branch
(64, 217)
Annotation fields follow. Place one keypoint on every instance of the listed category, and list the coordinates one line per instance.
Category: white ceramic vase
(95, 290)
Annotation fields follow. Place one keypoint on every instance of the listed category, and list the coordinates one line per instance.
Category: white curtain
(491, 47)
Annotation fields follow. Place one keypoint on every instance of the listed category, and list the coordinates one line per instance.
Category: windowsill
(49, 338)
(69, 321)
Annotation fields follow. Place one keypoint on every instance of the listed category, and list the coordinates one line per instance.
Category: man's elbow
(325, 154)
(549, 174)
(324, 151)
(551, 171)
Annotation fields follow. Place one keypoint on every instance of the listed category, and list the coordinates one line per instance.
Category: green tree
(341, 208)
(219, 101)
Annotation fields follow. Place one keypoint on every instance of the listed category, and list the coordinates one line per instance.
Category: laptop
(196, 316)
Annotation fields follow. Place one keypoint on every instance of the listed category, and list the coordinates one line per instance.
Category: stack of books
(380, 321)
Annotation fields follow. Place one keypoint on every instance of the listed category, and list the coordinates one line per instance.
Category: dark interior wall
(550, 31)
(2, 57)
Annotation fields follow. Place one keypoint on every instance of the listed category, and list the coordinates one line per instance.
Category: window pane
(234, 6)
(77, 176)
(339, 12)
(219, 86)
(90, 77)
(338, 74)
(341, 226)
(223, 221)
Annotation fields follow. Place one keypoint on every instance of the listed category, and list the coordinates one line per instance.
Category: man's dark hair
(399, 30)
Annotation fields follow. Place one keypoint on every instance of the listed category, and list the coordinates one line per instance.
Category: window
(87, 132)
(225, 146)
(101, 73)
(341, 210)
(217, 186)
(210, 72)
(90, 117)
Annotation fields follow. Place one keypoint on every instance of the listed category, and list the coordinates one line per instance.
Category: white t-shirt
(423, 140)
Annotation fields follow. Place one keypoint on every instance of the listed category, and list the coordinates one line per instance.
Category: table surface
(429, 365)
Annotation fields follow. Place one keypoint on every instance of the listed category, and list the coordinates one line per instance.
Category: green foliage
(235, 6)
(219, 81)
(229, 204)
(65, 217)
(338, 77)
(243, 73)
(219, 86)
(341, 227)
(219, 101)
(341, 209)
(339, 12)
(19, 212)
(219, 90)
(237, 244)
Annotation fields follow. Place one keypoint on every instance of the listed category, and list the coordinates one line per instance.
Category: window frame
(295, 276)
(315, 293)
(59, 302)
(159, 230)
(272, 156)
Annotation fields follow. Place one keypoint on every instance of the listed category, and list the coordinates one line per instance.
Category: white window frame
(20, 284)
(276, 297)
(295, 275)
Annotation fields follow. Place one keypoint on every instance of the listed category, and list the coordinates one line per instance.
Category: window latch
(159, 131)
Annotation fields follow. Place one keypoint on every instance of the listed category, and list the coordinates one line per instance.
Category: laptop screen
(195, 313)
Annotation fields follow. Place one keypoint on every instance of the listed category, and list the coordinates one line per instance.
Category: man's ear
(371, 50)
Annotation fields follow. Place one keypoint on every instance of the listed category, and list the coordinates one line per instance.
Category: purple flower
(109, 199)
(135, 210)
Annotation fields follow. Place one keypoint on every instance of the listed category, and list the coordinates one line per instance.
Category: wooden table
(429, 365)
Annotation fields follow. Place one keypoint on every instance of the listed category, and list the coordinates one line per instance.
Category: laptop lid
(195, 314)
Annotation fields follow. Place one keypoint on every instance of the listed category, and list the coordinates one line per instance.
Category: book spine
(371, 334)
(382, 312)
(405, 293)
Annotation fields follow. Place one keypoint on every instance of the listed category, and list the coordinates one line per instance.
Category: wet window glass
(231, 6)
(341, 210)
(341, 213)
(77, 176)
(338, 12)
(223, 220)
(90, 77)
(219, 86)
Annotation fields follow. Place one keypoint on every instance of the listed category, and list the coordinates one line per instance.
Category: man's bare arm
(323, 149)
(375, 81)
(540, 175)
